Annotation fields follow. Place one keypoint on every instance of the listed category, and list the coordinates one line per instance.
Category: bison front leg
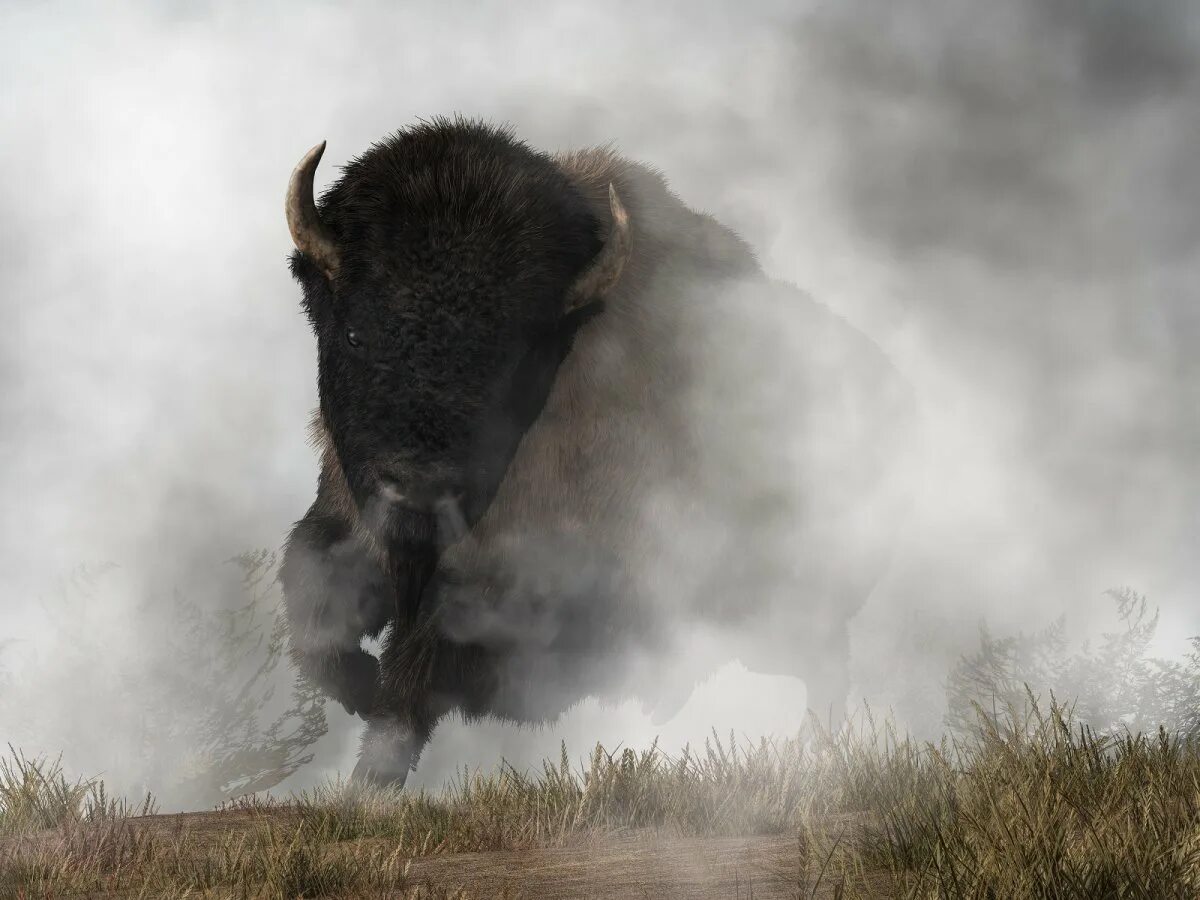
(335, 593)
(425, 676)
(519, 633)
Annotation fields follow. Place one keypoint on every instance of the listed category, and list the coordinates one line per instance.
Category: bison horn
(605, 271)
(311, 236)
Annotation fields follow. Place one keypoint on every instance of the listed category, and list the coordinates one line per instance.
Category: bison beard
(523, 407)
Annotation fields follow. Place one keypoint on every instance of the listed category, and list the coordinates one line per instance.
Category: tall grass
(1042, 807)
(1038, 807)
(35, 794)
(726, 789)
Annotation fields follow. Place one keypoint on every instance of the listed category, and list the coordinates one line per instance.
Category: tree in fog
(1112, 685)
(201, 705)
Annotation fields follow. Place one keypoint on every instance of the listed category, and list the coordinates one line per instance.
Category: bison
(568, 427)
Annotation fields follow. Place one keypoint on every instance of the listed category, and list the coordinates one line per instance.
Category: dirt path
(615, 867)
(649, 866)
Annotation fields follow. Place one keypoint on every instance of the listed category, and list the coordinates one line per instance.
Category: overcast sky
(1005, 196)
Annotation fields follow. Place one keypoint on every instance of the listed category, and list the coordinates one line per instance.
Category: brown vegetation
(1042, 808)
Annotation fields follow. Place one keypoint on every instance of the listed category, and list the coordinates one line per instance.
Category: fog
(1005, 197)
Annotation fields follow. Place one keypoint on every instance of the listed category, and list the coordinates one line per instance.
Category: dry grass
(1040, 809)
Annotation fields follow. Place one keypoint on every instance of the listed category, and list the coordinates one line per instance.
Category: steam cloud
(1007, 199)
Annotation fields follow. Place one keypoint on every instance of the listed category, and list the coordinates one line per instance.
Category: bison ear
(602, 275)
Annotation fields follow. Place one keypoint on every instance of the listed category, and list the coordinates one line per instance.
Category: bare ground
(627, 867)
(633, 865)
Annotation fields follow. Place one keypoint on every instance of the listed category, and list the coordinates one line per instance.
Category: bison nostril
(391, 492)
(452, 525)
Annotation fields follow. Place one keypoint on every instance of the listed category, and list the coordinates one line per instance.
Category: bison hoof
(390, 778)
(389, 752)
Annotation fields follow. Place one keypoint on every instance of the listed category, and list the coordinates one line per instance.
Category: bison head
(433, 271)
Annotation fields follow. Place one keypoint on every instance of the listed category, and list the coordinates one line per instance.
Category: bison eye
(353, 341)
